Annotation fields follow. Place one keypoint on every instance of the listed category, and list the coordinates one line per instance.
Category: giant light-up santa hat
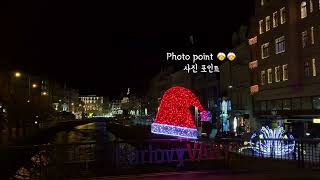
(174, 117)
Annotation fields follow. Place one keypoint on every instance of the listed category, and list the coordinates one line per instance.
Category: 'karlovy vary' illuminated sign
(155, 155)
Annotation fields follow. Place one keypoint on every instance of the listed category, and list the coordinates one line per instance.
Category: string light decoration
(206, 116)
(272, 142)
(174, 117)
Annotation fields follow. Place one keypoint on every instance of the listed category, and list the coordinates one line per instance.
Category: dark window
(263, 78)
(210, 103)
(316, 102)
(270, 105)
(296, 104)
(287, 104)
(304, 38)
(257, 107)
(278, 104)
(263, 106)
(212, 92)
(306, 69)
(265, 51)
(306, 103)
(280, 45)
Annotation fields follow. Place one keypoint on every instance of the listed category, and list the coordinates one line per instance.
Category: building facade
(93, 105)
(285, 55)
(235, 81)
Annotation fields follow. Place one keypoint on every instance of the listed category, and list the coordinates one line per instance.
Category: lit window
(283, 15)
(306, 69)
(254, 89)
(253, 40)
(280, 45)
(304, 38)
(277, 73)
(265, 50)
(275, 19)
(303, 9)
(253, 64)
(312, 35)
(311, 6)
(267, 23)
(261, 26)
(263, 77)
(269, 76)
(314, 69)
(285, 72)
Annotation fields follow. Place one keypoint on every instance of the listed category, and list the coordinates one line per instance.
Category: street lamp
(17, 74)
(34, 85)
(44, 93)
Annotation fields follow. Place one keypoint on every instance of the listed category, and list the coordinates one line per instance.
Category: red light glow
(175, 108)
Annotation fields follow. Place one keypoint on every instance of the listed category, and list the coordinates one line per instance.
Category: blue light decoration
(177, 131)
(225, 107)
(272, 142)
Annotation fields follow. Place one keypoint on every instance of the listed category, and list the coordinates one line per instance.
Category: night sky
(105, 48)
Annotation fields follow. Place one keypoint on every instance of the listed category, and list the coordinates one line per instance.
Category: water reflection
(91, 132)
(93, 138)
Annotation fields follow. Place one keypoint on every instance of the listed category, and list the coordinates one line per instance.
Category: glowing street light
(316, 120)
(17, 74)
(44, 93)
(34, 85)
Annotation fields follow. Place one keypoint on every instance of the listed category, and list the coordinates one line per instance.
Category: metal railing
(52, 161)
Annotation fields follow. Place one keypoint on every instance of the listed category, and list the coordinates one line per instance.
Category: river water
(92, 132)
(83, 143)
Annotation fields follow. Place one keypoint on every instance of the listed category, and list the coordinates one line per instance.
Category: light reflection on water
(91, 132)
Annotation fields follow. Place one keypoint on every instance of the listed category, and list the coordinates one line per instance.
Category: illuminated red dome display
(174, 116)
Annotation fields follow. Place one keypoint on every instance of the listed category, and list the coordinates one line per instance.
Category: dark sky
(104, 48)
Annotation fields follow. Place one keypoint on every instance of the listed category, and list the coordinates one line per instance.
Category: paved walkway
(212, 176)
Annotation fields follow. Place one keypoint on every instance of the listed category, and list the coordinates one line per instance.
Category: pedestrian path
(219, 175)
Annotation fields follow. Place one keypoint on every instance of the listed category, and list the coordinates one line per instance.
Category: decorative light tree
(174, 117)
(272, 142)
